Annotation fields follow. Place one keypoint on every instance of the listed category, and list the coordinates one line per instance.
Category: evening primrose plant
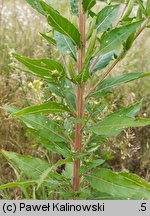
(90, 45)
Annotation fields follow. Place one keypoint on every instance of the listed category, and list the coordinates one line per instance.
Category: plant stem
(145, 23)
(79, 99)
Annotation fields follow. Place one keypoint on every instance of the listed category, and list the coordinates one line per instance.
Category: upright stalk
(79, 100)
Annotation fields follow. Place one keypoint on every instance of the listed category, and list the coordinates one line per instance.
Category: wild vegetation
(80, 121)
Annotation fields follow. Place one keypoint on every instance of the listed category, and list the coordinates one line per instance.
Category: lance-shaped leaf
(46, 173)
(63, 90)
(42, 76)
(37, 6)
(114, 38)
(55, 89)
(106, 17)
(88, 4)
(61, 24)
(17, 184)
(71, 99)
(103, 196)
(44, 68)
(45, 127)
(65, 45)
(85, 72)
(108, 84)
(119, 121)
(60, 148)
(90, 165)
(47, 108)
(130, 111)
(141, 6)
(124, 185)
(48, 39)
(74, 6)
(103, 61)
(30, 166)
(148, 8)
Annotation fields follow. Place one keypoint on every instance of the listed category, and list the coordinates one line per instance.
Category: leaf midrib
(113, 184)
(39, 67)
(65, 32)
(112, 42)
(105, 18)
(69, 46)
(120, 125)
(46, 109)
(113, 85)
(44, 127)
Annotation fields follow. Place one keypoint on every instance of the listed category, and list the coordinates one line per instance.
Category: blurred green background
(19, 27)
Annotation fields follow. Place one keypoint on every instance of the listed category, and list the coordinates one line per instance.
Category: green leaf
(88, 4)
(96, 109)
(91, 46)
(84, 75)
(68, 172)
(44, 68)
(108, 84)
(71, 98)
(95, 143)
(71, 69)
(65, 45)
(74, 7)
(60, 148)
(130, 111)
(119, 121)
(123, 185)
(68, 94)
(103, 61)
(112, 39)
(17, 184)
(90, 165)
(49, 79)
(140, 3)
(49, 39)
(45, 127)
(77, 120)
(46, 173)
(103, 196)
(128, 10)
(47, 108)
(92, 14)
(55, 89)
(61, 24)
(30, 166)
(106, 17)
(37, 6)
(148, 8)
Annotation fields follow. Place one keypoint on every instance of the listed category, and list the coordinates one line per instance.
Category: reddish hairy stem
(79, 100)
